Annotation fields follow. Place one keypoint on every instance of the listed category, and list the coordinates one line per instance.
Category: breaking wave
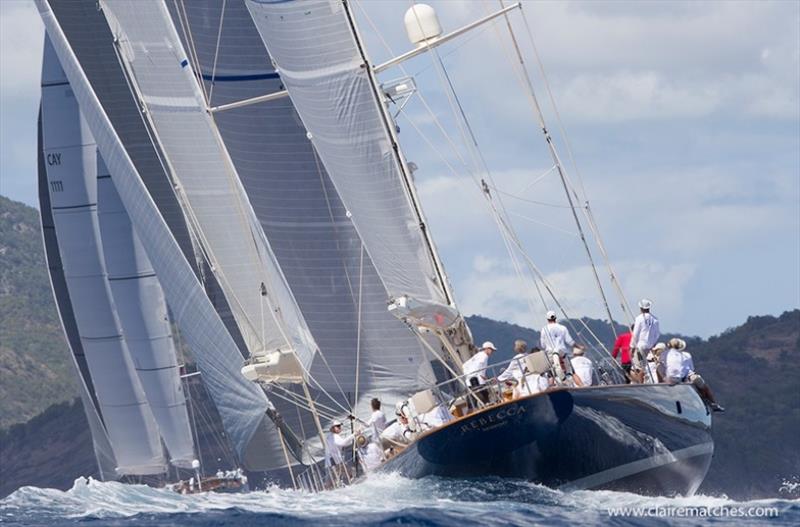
(381, 500)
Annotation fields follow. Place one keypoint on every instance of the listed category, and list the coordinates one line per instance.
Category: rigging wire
(562, 173)
(358, 328)
(587, 210)
(216, 52)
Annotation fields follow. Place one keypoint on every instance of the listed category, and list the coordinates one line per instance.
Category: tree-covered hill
(35, 371)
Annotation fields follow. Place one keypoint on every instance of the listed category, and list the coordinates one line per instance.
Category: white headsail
(162, 77)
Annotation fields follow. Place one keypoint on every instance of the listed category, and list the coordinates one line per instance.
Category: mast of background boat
(557, 161)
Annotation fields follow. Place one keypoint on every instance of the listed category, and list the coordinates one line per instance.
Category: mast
(557, 162)
(411, 192)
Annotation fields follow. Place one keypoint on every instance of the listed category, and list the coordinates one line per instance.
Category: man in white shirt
(554, 338)
(336, 441)
(334, 460)
(583, 367)
(475, 371)
(475, 367)
(645, 335)
(673, 362)
(377, 421)
(678, 346)
(516, 366)
(397, 434)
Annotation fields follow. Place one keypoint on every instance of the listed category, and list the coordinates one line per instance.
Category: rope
(216, 55)
(358, 329)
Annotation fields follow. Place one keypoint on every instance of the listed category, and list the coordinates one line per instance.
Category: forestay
(323, 68)
(241, 404)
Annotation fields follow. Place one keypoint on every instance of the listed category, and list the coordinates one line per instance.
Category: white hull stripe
(635, 467)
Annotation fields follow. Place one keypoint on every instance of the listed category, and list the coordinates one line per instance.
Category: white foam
(379, 494)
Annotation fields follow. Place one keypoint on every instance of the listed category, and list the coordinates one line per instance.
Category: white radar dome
(422, 24)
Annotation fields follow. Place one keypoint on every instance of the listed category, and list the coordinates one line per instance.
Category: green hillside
(35, 371)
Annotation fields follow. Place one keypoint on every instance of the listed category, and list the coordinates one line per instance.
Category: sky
(683, 119)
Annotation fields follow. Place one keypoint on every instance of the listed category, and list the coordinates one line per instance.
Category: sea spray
(382, 499)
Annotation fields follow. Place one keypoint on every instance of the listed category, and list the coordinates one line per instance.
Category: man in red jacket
(623, 345)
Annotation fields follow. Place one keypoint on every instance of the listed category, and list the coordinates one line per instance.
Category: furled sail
(69, 151)
(162, 77)
(84, 45)
(142, 312)
(364, 352)
(324, 70)
(103, 452)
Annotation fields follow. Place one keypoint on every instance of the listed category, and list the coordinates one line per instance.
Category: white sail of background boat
(251, 147)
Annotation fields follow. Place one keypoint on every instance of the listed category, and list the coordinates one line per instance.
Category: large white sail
(323, 68)
(142, 312)
(69, 149)
(77, 29)
(162, 76)
(365, 352)
(104, 454)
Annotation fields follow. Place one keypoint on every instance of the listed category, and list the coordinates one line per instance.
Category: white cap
(659, 347)
(335, 423)
(551, 315)
(577, 351)
(645, 303)
(488, 344)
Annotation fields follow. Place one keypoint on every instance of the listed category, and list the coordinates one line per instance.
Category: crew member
(554, 337)
(644, 337)
(475, 366)
(334, 460)
(378, 419)
(515, 367)
(678, 347)
(397, 433)
(622, 348)
(583, 367)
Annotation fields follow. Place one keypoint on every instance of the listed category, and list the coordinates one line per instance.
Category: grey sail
(100, 443)
(84, 45)
(365, 352)
(323, 68)
(71, 170)
(142, 312)
(221, 216)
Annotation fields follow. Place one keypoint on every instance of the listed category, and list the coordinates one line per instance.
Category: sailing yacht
(233, 170)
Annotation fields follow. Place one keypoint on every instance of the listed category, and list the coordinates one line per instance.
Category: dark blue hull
(648, 439)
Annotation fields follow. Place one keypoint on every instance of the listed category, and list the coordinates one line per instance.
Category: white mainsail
(324, 70)
(142, 312)
(101, 445)
(69, 151)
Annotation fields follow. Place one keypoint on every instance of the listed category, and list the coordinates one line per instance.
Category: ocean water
(382, 500)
